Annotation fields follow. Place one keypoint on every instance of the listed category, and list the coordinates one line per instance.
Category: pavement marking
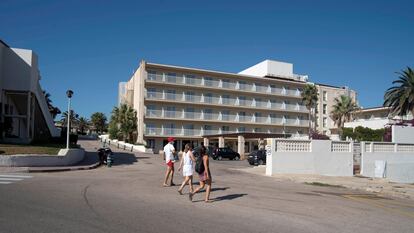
(10, 178)
(4, 182)
(376, 203)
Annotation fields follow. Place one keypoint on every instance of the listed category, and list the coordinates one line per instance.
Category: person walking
(169, 152)
(203, 170)
(187, 165)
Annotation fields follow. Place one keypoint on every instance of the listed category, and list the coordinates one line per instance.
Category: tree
(400, 98)
(123, 122)
(98, 120)
(74, 119)
(342, 110)
(54, 111)
(309, 99)
(83, 124)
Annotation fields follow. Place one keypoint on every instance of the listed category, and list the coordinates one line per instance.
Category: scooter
(106, 156)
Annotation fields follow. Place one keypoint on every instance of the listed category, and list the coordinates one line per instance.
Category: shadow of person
(216, 189)
(229, 197)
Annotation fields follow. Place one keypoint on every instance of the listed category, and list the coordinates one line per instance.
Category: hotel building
(196, 105)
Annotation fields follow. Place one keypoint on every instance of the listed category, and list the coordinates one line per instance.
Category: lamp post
(69, 94)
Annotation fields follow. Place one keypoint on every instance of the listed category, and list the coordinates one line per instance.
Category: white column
(221, 142)
(206, 141)
(240, 146)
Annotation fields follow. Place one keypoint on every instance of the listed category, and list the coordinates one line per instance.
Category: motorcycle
(105, 156)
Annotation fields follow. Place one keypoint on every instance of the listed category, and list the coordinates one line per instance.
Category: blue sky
(90, 46)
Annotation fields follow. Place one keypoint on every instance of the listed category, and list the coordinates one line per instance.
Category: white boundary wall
(65, 157)
(398, 159)
(323, 157)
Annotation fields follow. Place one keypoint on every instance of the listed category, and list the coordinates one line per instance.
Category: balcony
(214, 83)
(178, 132)
(224, 101)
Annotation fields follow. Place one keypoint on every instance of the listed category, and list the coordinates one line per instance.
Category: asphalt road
(129, 197)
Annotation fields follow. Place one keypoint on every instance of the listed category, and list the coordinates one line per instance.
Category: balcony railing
(198, 81)
(224, 101)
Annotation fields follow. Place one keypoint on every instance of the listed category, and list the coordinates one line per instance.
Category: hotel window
(152, 92)
(225, 99)
(259, 87)
(169, 129)
(258, 102)
(325, 96)
(273, 117)
(324, 109)
(170, 112)
(189, 113)
(171, 94)
(257, 130)
(207, 129)
(189, 96)
(152, 75)
(208, 81)
(225, 128)
(242, 116)
(172, 77)
(208, 114)
(190, 79)
(225, 115)
(241, 129)
(258, 116)
(151, 129)
(325, 122)
(242, 100)
(151, 111)
(208, 98)
(226, 83)
(242, 85)
(189, 130)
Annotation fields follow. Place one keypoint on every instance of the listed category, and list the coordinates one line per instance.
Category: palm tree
(98, 120)
(54, 111)
(123, 122)
(342, 110)
(74, 119)
(309, 99)
(401, 96)
(83, 124)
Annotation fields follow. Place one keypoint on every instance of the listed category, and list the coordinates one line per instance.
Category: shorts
(170, 164)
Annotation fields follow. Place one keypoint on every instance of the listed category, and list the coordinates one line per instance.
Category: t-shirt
(168, 152)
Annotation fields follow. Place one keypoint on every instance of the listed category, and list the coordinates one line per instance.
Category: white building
(374, 118)
(24, 113)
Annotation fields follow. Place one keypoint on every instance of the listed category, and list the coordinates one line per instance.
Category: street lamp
(69, 94)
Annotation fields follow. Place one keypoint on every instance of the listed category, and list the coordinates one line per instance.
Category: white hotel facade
(196, 105)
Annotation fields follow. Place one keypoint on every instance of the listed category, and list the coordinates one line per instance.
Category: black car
(220, 153)
(257, 157)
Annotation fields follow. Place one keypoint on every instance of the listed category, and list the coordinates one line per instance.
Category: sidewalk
(377, 186)
(90, 161)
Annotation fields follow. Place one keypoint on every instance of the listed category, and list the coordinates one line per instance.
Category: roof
(4, 43)
(222, 73)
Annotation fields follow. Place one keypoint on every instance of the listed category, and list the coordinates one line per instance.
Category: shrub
(318, 136)
(363, 134)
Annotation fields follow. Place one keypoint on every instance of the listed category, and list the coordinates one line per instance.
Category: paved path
(129, 198)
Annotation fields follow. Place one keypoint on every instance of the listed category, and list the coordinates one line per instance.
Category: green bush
(363, 134)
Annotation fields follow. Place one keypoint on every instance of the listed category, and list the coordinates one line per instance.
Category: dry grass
(12, 149)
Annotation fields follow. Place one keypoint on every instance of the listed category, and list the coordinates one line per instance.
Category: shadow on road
(215, 189)
(229, 197)
(122, 158)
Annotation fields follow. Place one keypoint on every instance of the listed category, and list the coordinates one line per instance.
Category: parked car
(257, 157)
(220, 153)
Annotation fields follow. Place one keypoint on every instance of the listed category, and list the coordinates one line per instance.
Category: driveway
(129, 197)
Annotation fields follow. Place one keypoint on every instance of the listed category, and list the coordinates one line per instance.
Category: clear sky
(90, 46)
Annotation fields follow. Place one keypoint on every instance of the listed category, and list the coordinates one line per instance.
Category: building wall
(399, 160)
(331, 94)
(402, 134)
(310, 157)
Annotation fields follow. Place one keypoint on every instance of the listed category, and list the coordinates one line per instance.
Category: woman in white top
(187, 165)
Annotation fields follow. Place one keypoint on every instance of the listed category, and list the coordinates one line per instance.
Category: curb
(63, 169)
